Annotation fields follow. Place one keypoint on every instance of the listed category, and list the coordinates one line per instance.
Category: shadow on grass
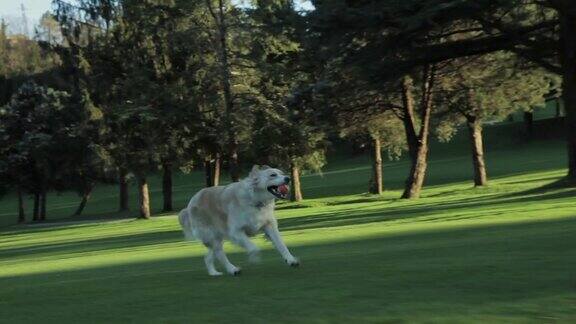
(92, 245)
(559, 184)
(365, 199)
(355, 216)
(504, 270)
(301, 205)
(539, 179)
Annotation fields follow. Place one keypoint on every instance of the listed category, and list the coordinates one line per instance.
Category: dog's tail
(184, 219)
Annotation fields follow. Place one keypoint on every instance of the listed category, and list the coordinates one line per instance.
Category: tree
(381, 130)
(353, 34)
(21, 59)
(288, 138)
(294, 147)
(219, 12)
(368, 114)
(287, 131)
(36, 137)
(567, 44)
(160, 35)
(140, 52)
(48, 30)
(368, 106)
(417, 138)
(93, 63)
(488, 88)
(541, 32)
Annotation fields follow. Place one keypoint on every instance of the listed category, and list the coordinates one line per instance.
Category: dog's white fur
(235, 212)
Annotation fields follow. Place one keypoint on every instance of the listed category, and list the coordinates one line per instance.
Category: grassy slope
(503, 253)
(343, 175)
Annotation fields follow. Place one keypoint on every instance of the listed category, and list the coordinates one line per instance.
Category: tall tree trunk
(558, 108)
(529, 123)
(85, 197)
(167, 186)
(417, 173)
(376, 185)
(568, 59)
(220, 19)
(295, 183)
(144, 197)
(123, 187)
(233, 162)
(36, 211)
(21, 212)
(475, 132)
(43, 204)
(212, 170)
(208, 178)
(418, 145)
(216, 170)
(408, 118)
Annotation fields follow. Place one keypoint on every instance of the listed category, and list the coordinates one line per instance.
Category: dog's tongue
(283, 189)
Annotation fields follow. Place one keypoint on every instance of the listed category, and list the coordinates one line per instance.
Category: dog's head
(270, 180)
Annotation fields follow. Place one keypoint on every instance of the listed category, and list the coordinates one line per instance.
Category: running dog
(236, 212)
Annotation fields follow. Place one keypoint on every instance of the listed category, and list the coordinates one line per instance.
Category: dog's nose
(287, 180)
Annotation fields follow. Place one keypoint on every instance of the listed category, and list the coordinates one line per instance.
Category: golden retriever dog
(236, 212)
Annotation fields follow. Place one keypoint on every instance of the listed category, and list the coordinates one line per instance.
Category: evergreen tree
(288, 131)
(381, 130)
(21, 59)
(419, 33)
(221, 12)
(36, 133)
(488, 88)
(290, 141)
(351, 34)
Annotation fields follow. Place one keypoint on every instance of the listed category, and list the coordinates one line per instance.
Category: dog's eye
(273, 175)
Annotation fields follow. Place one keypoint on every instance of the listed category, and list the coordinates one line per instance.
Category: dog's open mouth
(280, 191)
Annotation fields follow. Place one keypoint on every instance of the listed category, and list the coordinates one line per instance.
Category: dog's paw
(293, 262)
(254, 256)
(215, 273)
(233, 270)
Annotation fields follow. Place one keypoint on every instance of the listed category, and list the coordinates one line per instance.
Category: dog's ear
(255, 170)
(254, 175)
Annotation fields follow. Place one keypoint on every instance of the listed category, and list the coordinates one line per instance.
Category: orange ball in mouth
(283, 189)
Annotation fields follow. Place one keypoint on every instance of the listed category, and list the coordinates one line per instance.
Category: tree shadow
(539, 179)
(559, 184)
(356, 216)
(68, 249)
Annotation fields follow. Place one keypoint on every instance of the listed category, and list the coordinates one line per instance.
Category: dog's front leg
(271, 230)
(240, 238)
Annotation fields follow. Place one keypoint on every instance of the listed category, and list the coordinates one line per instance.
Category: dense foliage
(124, 89)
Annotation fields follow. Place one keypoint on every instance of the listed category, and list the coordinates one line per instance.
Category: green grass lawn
(344, 175)
(505, 253)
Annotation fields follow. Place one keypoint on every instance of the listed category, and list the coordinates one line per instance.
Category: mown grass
(504, 253)
(345, 174)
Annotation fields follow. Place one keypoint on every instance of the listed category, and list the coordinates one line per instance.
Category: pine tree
(287, 131)
(36, 141)
(488, 88)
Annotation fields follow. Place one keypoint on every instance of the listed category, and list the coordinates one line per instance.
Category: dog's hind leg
(241, 239)
(209, 260)
(221, 256)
